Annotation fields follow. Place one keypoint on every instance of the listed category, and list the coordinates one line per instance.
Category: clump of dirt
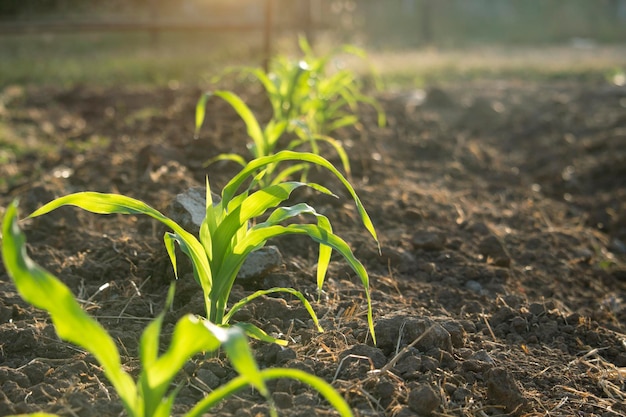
(501, 288)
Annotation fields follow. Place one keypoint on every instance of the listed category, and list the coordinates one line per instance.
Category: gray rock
(189, 208)
(283, 399)
(457, 333)
(208, 377)
(429, 241)
(423, 400)
(617, 246)
(438, 98)
(260, 262)
(376, 355)
(483, 356)
(502, 390)
(474, 286)
(388, 331)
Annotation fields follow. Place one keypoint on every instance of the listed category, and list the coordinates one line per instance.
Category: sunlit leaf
(43, 290)
(236, 384)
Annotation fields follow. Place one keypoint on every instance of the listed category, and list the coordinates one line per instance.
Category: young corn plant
(226, 238)
(306, 101)
(265, 141)
(151, 395)
(331, 96)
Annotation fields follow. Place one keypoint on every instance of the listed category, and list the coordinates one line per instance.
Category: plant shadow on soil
(501, 288)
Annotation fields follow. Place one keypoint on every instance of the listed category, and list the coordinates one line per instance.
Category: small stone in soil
(474, 286)
(502, 390)
(423, 400)
(208, 377)
(260, 263)
(492, 249)
(376, 355)
(283, 399)
(428, 241)
(388, 331)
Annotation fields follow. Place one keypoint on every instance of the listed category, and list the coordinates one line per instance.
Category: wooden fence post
(267, 34)
(308, 22)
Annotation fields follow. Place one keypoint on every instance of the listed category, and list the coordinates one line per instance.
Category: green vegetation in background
(107, 59)
(124, 58)
(458, 23)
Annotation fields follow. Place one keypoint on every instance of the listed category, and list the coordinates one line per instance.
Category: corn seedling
(151, 395)
(306, 100)
(226, 239)
(264, 140)
(331, 98)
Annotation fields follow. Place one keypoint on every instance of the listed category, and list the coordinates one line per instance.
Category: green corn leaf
(232, 387)
(354, 50)
(257, 333)
(201, 273)
(210, 221)
(262, 76)
(252, 125)
(200, 113)
(305, 46)
(230, 189)
(339, 149)
(273, 131)
(283, 213)
(226, 157)
(148, 354)
(234, 342)
(348, 120)
(43, 290)
(258, 235)
(170, 247)
(259, 293)
(164, 408)
(252, 206)
(191, 335)
(100, 203)
(382, 118)
(284, 174)
(236, 222)
(300, 74)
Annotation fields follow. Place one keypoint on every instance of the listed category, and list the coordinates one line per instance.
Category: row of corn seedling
(305, 103)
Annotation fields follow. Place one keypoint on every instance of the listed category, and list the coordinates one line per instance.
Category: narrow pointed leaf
(101, 203)
(43, 290)
(200, 113)
(236, 384)
(257, 333)
(234, 157)
(170, 247)
(259, 293)
(235, 344)
(242, 109)
(232, 186)
(191, 335)
(259, 235)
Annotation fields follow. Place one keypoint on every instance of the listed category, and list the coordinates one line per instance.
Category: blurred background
(414, 41)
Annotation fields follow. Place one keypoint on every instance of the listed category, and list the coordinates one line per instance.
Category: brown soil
(501, 208)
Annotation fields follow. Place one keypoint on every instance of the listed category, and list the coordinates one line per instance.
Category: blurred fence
(383, 23)
(158, 16)
(457, 22)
